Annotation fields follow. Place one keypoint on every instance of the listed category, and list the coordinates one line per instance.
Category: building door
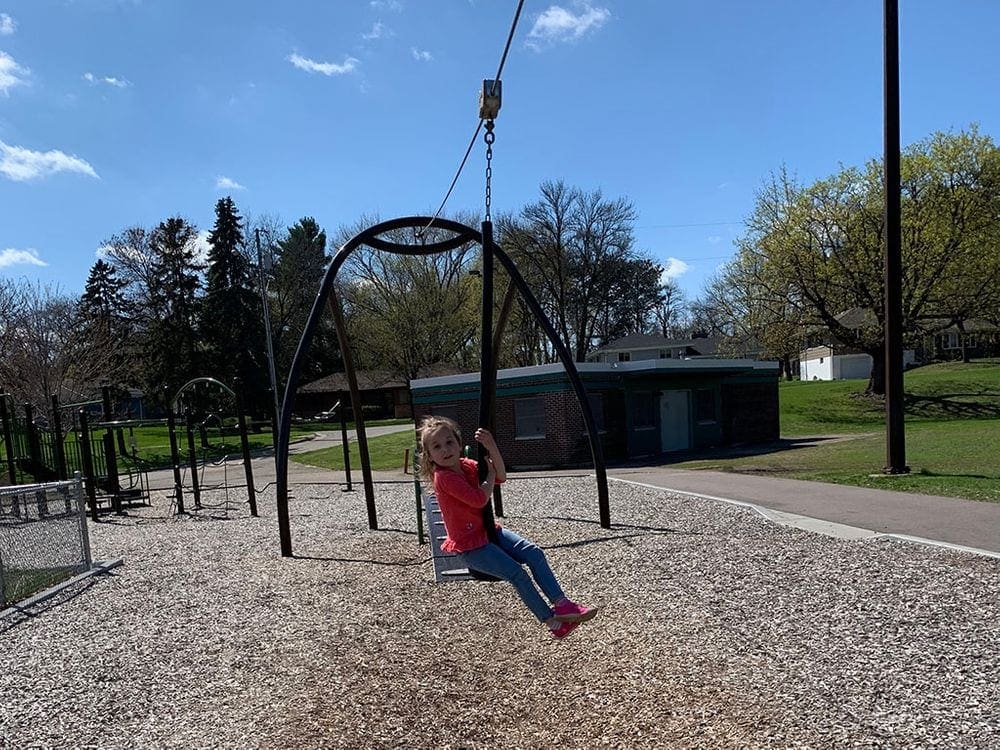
(675, 420)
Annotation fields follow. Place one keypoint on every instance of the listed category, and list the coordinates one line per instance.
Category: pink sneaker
(563, 629)
(567, 611)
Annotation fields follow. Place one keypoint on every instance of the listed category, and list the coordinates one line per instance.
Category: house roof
(637, 341)
(371, 380)
(658, 366)
(857, 317)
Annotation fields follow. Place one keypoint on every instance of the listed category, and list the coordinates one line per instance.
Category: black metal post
(8, 439)
(274, 420)
(87, 457)
(487, 368)
(110, 456)
(357, 411)
(245, 447)
(192, 457)
(175, 458)
(34, 448)
(57, 440)
(344, 442)
(895, 433)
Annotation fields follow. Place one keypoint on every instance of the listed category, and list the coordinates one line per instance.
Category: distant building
(641, 346)
(383, 395)
(830, 363)
(642, 408)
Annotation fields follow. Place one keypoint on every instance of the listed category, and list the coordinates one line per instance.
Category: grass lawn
(952, 434)
(387, 453)
(19, 584)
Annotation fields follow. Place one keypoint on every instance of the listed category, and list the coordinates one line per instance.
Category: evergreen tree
(298, 273)
(171, 352)
(104, 318)
(230, 321)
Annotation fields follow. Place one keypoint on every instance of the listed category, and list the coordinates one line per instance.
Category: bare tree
(45, 348)
(671, 309)
(576, 249)
(407, 312)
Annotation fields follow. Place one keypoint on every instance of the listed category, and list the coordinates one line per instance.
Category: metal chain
(489, 137)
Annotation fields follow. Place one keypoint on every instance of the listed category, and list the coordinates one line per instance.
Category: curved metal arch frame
(463, 235)
(195, 381)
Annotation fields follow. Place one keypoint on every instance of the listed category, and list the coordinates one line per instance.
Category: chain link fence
(43, 537)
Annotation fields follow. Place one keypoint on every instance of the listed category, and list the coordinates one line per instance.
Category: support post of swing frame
(487, 368)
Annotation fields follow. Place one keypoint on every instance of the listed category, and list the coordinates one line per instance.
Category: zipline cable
(479, 126)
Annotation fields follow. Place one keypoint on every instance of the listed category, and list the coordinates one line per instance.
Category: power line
(479, 126)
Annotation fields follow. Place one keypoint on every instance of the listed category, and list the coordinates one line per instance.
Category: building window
(704, 405)
(624, 356)
(953, 340)
(643, 410)
(664, 354)
(529, 417)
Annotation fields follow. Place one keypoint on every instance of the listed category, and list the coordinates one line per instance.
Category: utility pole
(895, 442)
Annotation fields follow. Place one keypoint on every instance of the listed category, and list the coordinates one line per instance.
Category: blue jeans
(504, 560)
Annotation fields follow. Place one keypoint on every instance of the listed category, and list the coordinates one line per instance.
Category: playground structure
(449, 235)
(191, 425)
(104, 451)
(114, 476)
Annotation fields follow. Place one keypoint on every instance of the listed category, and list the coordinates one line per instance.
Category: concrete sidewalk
(839, 510)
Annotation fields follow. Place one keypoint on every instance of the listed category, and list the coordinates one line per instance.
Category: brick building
(644, 408)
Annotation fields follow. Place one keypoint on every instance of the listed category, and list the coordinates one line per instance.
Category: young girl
(462, 498)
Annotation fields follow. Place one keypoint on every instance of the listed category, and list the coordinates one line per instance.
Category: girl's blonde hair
(427, 427)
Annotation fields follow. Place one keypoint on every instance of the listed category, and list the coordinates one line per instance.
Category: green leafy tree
(821, 246)
(407, 312)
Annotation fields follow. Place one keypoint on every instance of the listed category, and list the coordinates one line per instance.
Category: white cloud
(421, 54)
(11, 74)
(558, 24)
(118, 83)
(12, 257)
(7, 25)
(393, 5)
(225, 183)
(673, 268)
(379, 31)
(327, 69)
(21, 164)
(714, 239)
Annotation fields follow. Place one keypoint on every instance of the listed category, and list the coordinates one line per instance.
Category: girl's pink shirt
(461, 502)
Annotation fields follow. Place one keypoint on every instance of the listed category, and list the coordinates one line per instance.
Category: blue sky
(122, 112)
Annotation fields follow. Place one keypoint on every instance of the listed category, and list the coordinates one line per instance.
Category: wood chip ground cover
(718, 629)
